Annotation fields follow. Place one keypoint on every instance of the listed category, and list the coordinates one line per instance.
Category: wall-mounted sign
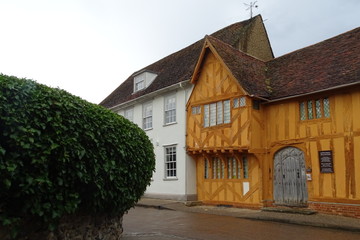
(308, 177)
(326, 162)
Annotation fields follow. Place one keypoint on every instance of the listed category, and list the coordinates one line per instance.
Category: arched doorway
(290, 177)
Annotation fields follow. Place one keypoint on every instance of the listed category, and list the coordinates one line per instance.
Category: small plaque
(326, 162)
(308, 177)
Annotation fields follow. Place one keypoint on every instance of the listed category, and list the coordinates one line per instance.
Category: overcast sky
(89, 47)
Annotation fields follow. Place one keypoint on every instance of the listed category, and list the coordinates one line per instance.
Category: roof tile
(176, 67)
(330, 63)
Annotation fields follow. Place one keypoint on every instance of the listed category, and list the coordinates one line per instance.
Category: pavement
(305, 218)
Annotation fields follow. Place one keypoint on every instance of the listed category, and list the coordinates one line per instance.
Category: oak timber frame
(262, 133)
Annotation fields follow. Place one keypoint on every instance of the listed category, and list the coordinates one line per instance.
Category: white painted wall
(184, 186)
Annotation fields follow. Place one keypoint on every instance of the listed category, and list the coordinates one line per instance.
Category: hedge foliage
(61, 155)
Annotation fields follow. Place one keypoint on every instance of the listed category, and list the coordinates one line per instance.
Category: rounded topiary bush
(61, 155)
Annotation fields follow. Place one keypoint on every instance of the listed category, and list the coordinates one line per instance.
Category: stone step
(293, 210)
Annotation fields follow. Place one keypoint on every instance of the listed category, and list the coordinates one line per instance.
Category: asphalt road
(153, 224)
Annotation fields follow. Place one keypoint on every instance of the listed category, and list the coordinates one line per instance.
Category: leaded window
(195, 110)
(326, 105)
(217, 113)
(206, 115)
(318, 108)
(245, 167)
(233, 168)
(242, 101)
(212, 114)
(218, 168)
(227, 114)
(310, 109)
(302, 111)
(239, 102)
(236, 103)
(314, 109)
(206, 168)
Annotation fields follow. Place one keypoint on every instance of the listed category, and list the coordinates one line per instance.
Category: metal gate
(290, 177)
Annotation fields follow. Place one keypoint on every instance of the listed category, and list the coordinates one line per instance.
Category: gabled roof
(177, 67)
(247, 70)
(332, 63)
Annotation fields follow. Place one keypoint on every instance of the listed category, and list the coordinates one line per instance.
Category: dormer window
(143, 80)
(139, 83)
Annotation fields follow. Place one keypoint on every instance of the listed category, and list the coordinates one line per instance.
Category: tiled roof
(176, 67)
(249, 71)
(328, 64)
(333, 62)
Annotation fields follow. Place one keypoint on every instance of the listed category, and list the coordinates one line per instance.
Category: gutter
(309, 93)
(149, 95)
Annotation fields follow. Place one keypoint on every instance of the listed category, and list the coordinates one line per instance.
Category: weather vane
(251, 6)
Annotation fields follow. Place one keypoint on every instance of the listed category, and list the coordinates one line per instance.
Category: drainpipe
(185, 124)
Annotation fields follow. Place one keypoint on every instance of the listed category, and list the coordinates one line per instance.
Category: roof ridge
(175, 67)
(245, 22)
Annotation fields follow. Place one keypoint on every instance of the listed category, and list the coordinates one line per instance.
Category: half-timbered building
(278, 132)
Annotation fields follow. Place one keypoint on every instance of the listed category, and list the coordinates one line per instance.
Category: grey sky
(88, 47)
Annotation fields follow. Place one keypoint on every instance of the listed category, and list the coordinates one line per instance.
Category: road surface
(153, 224)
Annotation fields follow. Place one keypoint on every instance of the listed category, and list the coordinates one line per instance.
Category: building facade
(282, 132)
(155, 99)
(162, 114)
(233, 125)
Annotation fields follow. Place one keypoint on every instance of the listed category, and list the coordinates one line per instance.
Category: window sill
(315, 120)
(170, 179)
(148, 129)
(169, 124)
(223, 125)
(227, 179)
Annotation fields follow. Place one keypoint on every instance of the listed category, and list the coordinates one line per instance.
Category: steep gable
(248, 71)
(179, 66)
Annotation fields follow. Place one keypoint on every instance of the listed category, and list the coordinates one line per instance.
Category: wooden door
(290, 177)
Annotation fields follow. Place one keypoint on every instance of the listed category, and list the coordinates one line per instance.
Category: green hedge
(61, 155)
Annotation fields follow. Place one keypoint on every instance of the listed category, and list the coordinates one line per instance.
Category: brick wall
(349, 210)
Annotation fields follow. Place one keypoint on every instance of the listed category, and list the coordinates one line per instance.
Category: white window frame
(170, 161)
(129, 114)
(147, 118)
(170, 109)
(139, 82)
